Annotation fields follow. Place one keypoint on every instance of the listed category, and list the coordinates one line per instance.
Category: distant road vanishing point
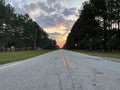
(61, 70)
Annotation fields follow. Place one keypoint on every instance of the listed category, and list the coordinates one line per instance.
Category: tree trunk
(105, 36)
(35, 39)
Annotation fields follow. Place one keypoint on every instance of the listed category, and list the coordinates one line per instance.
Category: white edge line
(9, 66)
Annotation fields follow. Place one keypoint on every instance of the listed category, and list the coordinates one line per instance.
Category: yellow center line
(70, 64)
(67, 62)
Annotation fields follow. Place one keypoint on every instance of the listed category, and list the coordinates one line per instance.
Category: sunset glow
(61, 33)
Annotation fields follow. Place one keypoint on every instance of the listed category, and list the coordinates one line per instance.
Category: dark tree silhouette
(97, 28)
(21, 32)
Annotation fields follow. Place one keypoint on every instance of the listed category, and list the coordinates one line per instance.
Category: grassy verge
(6, 57)
(102, 54)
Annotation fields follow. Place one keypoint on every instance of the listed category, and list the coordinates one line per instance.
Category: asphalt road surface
(61, 70)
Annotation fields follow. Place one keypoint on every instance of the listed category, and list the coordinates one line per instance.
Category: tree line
(21, 32)
(97, 28)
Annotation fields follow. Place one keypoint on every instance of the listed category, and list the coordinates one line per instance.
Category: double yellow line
(67, 62)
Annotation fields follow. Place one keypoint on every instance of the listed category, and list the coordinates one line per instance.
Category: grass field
(103, 54)
(6, 57)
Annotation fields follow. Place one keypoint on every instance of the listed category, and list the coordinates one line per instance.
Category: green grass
(7, 57)
(102, 54)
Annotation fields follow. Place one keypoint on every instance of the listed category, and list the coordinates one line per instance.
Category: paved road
(61, 70)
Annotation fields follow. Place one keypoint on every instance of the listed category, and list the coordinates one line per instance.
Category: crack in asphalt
(58, 76)
(94, 80)
(60, 82)
(73, 85)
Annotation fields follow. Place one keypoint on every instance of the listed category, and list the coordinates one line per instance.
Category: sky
(56, 17)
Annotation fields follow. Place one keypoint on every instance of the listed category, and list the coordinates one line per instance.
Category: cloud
(59, 28)
(69, 11)
(55, 33)
(46, 12)
(51, 20)
(45, 21)
(53, 16)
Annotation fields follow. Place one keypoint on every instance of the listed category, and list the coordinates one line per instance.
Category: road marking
(67, 62)
(9, 66)
(70, 64)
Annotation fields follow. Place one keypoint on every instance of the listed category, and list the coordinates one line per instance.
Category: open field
(102, 54)
(6, 57)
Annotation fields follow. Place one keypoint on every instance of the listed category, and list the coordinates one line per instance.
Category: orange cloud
(59, 28)
(61, 39)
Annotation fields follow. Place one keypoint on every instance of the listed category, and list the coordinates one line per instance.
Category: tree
(97, 27)
(20, 31)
